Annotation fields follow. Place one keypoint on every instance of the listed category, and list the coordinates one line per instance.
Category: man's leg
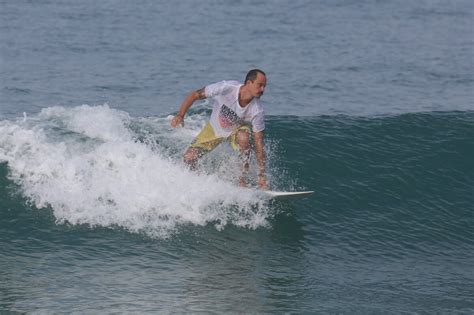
(192, 156)
(243, 140)
(204, 142)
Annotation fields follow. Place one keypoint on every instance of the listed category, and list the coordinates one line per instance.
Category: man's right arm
(186, 104)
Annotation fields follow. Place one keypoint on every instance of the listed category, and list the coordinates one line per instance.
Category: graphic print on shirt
(228, 118)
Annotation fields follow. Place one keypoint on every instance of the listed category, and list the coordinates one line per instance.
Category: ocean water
(369, 103)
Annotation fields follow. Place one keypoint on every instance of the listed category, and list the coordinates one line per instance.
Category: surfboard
(287, 195)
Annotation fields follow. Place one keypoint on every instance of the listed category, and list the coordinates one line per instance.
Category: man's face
(257, 87)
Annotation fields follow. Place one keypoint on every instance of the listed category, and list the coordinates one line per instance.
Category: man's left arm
(261, 158)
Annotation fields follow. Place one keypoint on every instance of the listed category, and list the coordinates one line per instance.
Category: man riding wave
(237, 113)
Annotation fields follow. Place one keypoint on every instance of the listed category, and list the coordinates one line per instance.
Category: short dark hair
(252, 75)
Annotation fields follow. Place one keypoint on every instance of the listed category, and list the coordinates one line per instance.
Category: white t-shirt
(227, 114)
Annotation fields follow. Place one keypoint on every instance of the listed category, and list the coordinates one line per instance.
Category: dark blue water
(369, 103)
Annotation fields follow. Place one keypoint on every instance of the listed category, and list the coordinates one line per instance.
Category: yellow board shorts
(208, 140)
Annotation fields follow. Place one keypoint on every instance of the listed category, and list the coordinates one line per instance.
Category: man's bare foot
(242, 182)
(262, 182)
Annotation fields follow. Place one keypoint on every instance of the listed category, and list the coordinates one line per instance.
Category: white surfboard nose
(287, 195)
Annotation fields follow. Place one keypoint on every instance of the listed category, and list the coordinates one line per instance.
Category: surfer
(237, 112)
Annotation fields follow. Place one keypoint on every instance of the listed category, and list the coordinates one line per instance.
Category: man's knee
(192, 155)
(243, 139)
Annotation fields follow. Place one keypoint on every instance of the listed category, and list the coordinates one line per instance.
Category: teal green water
(369, 103)
(390, 224)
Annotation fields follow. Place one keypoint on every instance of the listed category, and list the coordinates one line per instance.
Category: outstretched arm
(185, 105)
(261, 159)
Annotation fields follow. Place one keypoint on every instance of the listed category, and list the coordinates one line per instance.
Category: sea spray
(87, 165)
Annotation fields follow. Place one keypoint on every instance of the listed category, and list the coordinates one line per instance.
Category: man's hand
(177, 120)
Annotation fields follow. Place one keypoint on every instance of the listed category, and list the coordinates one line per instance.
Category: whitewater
(90, 168)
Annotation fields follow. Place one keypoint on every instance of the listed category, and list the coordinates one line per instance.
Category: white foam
(84, 163)
(99, 122)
